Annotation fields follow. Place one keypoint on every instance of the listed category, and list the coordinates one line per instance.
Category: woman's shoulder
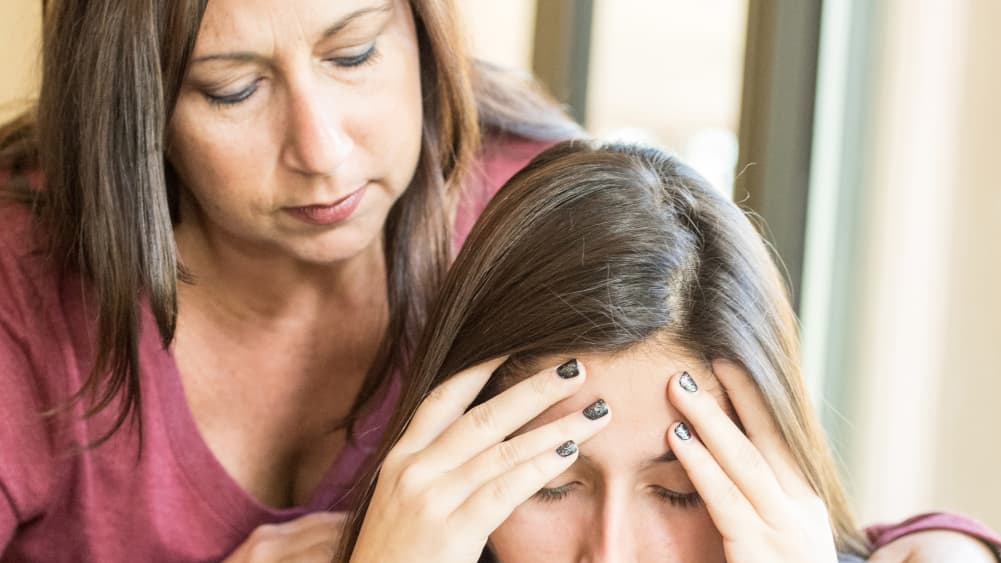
(501, 156)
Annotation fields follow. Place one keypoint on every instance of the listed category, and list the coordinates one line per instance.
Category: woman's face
(625, 498)
(298, 124)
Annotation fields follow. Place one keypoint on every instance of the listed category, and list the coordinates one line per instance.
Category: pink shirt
(175, 502)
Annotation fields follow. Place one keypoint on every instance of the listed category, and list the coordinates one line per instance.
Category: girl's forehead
(634, 384)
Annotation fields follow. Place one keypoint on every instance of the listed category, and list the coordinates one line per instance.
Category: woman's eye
(678, 500)
(553, 494)
(367, 56)
(232, 99)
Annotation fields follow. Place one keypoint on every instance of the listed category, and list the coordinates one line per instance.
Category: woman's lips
(328, 214)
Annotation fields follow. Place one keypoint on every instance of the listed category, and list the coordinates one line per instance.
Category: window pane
(669, 72)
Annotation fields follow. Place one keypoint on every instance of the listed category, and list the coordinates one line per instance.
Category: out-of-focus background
(866, 135)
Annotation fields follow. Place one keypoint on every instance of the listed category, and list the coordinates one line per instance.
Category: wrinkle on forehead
(243, 24)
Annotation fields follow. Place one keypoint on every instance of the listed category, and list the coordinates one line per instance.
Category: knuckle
(263, 550)
(500, 491)
(509, 454)
(263, 533)
(482, 416)
(410, 481)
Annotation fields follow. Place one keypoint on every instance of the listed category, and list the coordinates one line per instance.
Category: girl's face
(626, 498)
(298, 124)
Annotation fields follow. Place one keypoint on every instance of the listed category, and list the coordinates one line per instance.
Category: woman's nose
(317, 142)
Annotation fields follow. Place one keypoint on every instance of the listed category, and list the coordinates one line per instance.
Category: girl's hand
(308, 539)
(755, 493)
(934, 546)
(454, 476)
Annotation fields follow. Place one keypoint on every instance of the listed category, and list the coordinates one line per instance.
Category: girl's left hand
(755, 493)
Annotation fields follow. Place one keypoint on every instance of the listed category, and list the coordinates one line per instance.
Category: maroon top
(175, 502)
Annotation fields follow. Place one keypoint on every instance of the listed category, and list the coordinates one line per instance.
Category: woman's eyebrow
(333, 29)
(340, 24)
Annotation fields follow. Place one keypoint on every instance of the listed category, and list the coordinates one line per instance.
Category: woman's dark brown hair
(599, 248)
(111, 75)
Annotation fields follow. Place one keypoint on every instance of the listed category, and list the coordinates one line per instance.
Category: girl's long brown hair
(111, 75)
(598, 248)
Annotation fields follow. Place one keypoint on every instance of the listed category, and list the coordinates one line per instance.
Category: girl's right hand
(454, 477)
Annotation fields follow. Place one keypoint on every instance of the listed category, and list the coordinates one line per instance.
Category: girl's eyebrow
(666, 457)
(333, 29)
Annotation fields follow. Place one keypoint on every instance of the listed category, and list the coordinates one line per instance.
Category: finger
(490, 423)
(734, 453)
(491, 504)
(729, 509)
(322, 552)
(760, 426)
(506, 456)
(445, 404)
(271, 542)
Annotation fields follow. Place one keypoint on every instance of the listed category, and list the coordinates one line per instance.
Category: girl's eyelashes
(553, 494)
(675, 499)
(678, 500)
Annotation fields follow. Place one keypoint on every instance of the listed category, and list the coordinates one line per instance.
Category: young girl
(663, 293)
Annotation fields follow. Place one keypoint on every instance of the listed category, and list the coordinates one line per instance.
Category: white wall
(927, 405)
(20, 35)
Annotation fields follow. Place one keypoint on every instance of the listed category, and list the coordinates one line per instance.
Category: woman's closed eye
(349, 59)
(229, 99)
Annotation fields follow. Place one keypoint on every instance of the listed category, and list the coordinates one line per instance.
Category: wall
(925, 411)
(20, 28)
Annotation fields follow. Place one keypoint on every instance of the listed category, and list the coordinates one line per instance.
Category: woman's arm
(935, 537)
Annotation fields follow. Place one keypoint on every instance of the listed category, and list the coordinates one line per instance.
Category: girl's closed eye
(554, 494)
(676, 499)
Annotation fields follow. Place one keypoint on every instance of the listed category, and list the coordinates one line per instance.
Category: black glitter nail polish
(682, 432)
(596, 410)
(568, 370)
(687, 383)
(567, 449)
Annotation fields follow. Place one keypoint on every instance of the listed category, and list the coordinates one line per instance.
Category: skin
(264, 319)
(613, 507)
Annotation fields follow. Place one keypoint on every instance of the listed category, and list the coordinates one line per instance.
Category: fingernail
(682, 432)
(567, 449)
(687, 383)
(568, 370)
(596, 410)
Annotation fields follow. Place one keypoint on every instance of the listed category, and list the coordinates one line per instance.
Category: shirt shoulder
(501, 157)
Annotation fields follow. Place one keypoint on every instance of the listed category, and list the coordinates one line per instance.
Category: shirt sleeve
(27, 470)
(881, 534)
